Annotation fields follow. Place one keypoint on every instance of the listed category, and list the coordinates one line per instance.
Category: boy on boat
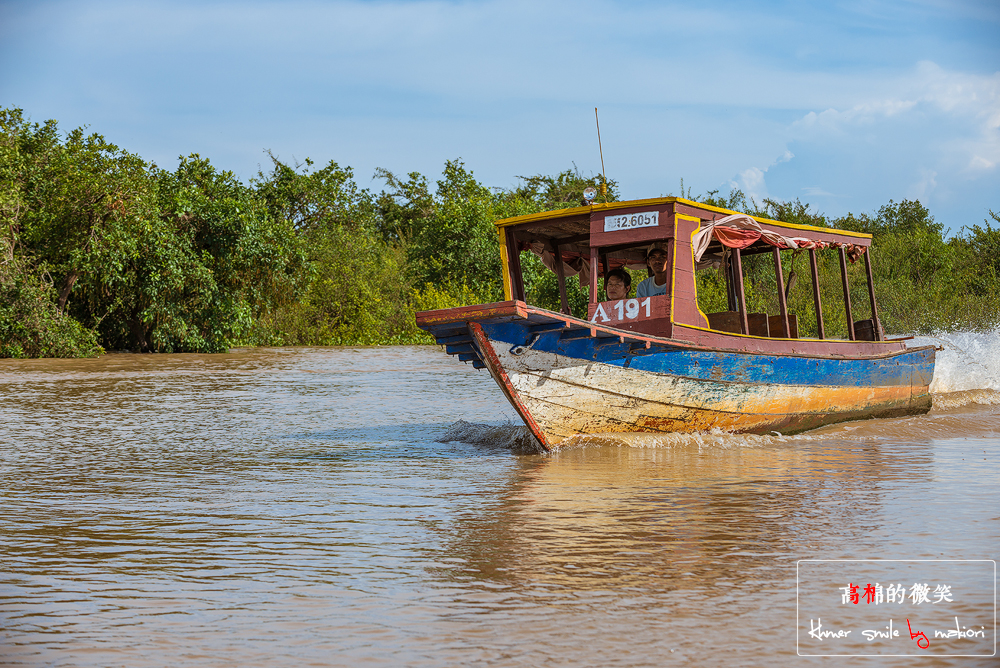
(656, 260)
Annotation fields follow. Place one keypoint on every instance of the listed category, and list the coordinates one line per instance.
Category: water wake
(716, 438)
(951, 400)
(516, 438)
(519, 440)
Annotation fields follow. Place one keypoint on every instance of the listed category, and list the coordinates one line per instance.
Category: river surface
(343, 507)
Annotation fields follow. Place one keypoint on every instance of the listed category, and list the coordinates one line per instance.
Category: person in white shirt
(656, 260)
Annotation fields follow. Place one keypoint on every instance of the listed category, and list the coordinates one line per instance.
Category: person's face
(657, 262)
(615, 287)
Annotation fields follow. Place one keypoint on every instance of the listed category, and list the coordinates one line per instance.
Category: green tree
(981, 256)
(358, 292)
(402, 205)
(452, 241)
(87, 203)
(215, 263)
(30, 323)
(564, 190)
(55, 220)
(319, 199)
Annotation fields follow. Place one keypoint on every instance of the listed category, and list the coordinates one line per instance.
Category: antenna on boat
(604, 177)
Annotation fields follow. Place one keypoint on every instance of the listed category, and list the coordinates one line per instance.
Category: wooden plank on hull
(456, 338)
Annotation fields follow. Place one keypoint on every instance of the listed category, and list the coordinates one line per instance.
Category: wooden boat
(662, 365)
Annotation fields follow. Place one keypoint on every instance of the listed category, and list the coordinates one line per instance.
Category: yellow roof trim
(609, 206)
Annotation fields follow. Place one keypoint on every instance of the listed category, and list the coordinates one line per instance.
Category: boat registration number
(629, 221)
(623, 309)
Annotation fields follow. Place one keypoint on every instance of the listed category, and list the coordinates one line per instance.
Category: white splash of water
(970, 361)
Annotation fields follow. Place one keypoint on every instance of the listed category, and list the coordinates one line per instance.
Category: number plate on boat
(630, 221)
(621, 310)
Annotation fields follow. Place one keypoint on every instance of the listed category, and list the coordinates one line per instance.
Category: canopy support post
(740, 295)
(847, 294)
(816, 300)
(730, 282)
(514, 258)
(561, 276)
(593, 276)
(871, 295)
(782, 303)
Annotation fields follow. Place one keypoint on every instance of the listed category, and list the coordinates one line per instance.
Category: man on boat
(656, 260)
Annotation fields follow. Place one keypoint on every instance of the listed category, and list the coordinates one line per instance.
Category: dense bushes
(31, 324)
(99, 248)
(141, 258)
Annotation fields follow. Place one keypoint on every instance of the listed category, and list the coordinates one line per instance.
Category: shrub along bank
(100, 249)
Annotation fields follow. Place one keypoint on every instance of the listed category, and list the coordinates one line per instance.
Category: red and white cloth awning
(740, 231)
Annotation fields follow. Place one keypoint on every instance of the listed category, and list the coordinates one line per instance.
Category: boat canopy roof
(623, 229)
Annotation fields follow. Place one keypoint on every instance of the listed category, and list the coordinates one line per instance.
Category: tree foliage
(565, 189)
(140, 258)
(100, 249)
(357, 290)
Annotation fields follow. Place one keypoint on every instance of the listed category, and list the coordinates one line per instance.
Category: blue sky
(845, 105)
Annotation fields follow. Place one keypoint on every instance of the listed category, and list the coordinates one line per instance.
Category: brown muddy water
(341, 507)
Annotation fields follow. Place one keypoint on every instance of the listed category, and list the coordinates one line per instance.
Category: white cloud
(751, 182)
(968, 104)
(925, 186)
(978, 162)
(968, 94)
